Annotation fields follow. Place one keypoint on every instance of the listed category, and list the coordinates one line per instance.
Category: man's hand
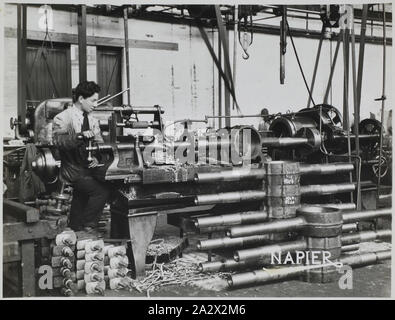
(88, 134)
(94, 163)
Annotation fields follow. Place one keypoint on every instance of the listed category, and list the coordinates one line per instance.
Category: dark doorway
(109, 72)
(48, 71)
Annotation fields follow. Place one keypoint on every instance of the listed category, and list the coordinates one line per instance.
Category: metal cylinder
(230, 175)
(349, 227)
(230, 242)
(320, 275)
(366, 215)
(341, 206)
(262, 276)
(282, 189)
(366, 258)
(322, 169)
(320, 222)
(365, 236)
(323, 246)
(230, 197)
(284, 142)
(299, 222)
(226, 265)
(322, 189)
(351, 247)
(263, 253)
(231, 219)
(278, 225)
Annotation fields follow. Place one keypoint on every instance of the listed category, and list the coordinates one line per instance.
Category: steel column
(82, 43)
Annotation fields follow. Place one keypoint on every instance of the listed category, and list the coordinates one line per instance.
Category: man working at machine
(71, 130)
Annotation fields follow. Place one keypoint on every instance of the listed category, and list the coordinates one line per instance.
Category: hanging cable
(300, 66)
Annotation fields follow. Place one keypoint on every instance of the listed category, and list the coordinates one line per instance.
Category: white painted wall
(184, 82)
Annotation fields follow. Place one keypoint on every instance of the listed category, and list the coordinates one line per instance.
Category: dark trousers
(89, 199)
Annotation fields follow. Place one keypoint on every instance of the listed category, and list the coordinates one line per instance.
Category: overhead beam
(95, 41)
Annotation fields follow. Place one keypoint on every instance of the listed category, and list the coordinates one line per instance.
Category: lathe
(223, 176)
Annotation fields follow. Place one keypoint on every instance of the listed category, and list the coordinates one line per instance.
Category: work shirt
(66, 128)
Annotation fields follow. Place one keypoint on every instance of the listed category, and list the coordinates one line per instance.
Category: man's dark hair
(85, 89)
(264, 112)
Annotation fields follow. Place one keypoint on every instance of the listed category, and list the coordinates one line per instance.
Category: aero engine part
(329, 168)
(230, 197)
(365, 215)
(320, 222)
(229, 219)
(265, 253)
(226, 265)
(278, 225)
(264, 275)
(230, 242)
(298, 223)
(282, 188)
(365, 236)
(349, 227)
(322, 189)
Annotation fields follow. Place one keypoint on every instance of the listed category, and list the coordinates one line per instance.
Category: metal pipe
(356, 111)
(322, 189)
(349, 227)
(82, 57)
(103, 98)
(365, 215)
(262, 253)
(383, 98)
(226, 265)
(317, 59)
(265, 275)
(257, 216)
(257, 174)
(361, 53)
(126, 34)
(230, 197)
(351, 247)
(292, 224)
(275, 226)
(222, 243)
(342, 206)
(330, 168)
(366, 258)
(328, 86)
(230, 175)
(229, 219)
(111, 97)
(284, 142)
(365, 236)
(219, 84)
(235, 46)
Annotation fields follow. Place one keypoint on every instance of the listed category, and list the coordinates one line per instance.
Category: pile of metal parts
(221, 182)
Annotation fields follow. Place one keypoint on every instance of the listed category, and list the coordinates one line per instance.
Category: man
(71, 130)
(264, 124)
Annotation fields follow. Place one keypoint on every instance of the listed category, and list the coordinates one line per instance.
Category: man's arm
(63, 136)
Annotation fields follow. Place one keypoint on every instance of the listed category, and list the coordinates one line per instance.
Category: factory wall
(184, 79)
